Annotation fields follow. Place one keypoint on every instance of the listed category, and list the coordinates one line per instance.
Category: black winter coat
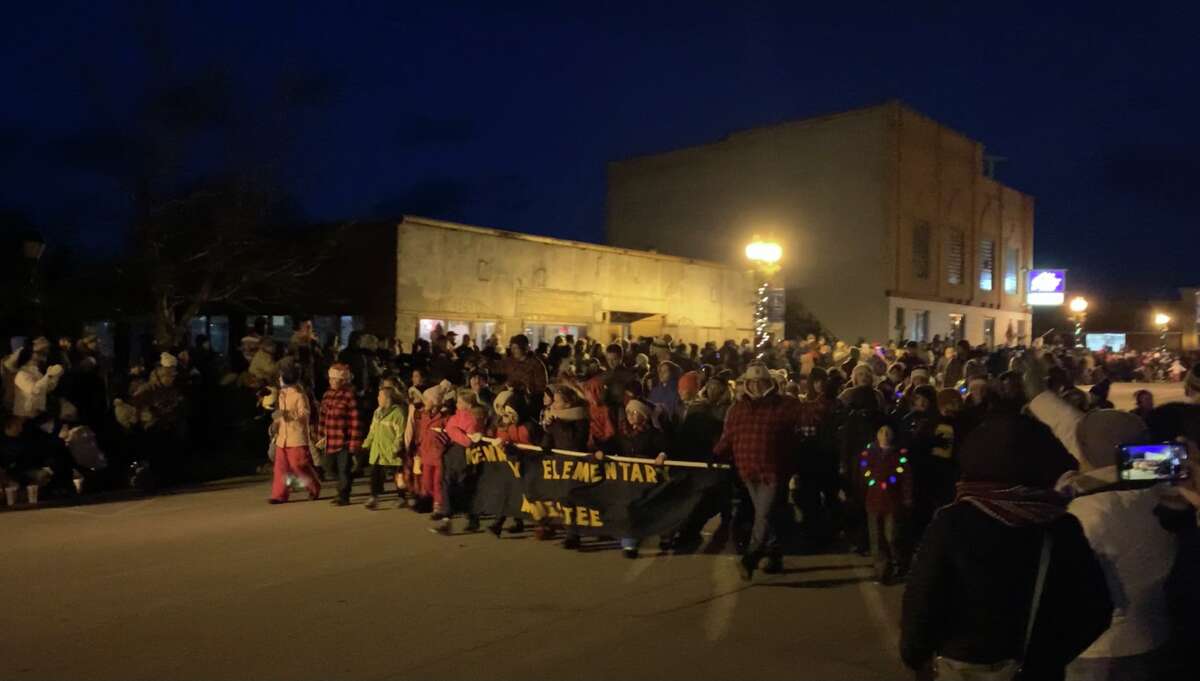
(971, 585)
(566, 434)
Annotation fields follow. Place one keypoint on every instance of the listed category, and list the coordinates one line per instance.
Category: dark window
(920, 255)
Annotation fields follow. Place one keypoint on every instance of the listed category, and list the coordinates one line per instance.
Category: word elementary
(583, 471)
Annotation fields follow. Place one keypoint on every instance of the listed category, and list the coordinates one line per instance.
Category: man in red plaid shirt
(340, 427)
(761, 435)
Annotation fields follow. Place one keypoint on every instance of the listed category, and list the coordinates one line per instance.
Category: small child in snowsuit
(385, 443)
(887, 481)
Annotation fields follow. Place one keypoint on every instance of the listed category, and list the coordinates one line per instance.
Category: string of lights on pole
(765, 255)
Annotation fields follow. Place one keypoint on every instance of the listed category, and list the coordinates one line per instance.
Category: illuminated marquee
(1046, 287)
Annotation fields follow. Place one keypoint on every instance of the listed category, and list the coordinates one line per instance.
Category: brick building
(890, 223)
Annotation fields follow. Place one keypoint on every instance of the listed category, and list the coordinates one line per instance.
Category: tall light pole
(1162, 321)
(1079, 306)
(765, 256)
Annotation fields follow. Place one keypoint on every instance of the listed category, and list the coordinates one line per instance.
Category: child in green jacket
(385, 442)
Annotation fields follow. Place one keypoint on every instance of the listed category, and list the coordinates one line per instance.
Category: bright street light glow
(1079, 304)
(764, 251)
(1161, 319)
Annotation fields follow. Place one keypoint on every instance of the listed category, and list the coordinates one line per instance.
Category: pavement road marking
(719, 614)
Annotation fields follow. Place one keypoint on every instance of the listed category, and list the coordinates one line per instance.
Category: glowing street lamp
(765, 256)
(1079, 306)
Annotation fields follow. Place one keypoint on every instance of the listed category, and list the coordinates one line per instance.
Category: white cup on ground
(10, 495)
(78, 485)
(31, 493)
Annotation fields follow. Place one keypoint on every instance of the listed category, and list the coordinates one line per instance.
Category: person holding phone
(1123, 528)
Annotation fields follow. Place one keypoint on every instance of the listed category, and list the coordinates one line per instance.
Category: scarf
(1013, 505)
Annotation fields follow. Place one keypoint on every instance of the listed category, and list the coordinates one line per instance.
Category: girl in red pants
(291, 441)
(432, 441)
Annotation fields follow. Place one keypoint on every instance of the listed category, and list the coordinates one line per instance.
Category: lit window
(1012, 257)
(987, 264)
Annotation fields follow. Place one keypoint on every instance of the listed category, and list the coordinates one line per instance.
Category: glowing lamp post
(1162, 321)
(765, 256)
(1079, 306)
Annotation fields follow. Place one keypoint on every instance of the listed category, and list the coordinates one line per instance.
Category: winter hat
(1014, 449)
(504, 403)
(1102, 431)
(862, 397)
(928, 392)
(974, 369)
(920, 371)
(639, 407)
(948, 398)
(414, 396)
(168, 360)
(642, 360)
(757, 371)
(341, 371)
(438, 395)
(689, 381)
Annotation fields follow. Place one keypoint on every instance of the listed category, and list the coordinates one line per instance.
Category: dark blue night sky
(504, 114)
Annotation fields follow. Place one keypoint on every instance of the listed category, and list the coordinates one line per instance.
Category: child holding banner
(566, 427)
(642, 438)
(464, 429)
(511, 427)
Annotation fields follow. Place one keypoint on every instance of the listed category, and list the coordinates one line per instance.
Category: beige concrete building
(890, 227)
(481, 281)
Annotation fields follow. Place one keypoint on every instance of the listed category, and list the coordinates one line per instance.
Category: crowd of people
(984, 479)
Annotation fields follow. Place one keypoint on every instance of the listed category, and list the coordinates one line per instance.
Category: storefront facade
(480, 282)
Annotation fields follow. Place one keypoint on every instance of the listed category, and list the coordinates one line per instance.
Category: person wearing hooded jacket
(565, 426)
(969, 603)
(512, 426)
(384, 443)
(431, 440)
(665, 391)
(698, 432)
(1122, 526)
(31, 387)
(759, 435)
(641, 438)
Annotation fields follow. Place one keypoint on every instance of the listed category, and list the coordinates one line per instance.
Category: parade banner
(616, 496)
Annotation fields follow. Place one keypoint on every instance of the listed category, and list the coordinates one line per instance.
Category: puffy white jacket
(30, 388)
(1136, 554)
(1134, 550)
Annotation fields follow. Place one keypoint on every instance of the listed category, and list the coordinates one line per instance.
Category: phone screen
(1153, 462)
